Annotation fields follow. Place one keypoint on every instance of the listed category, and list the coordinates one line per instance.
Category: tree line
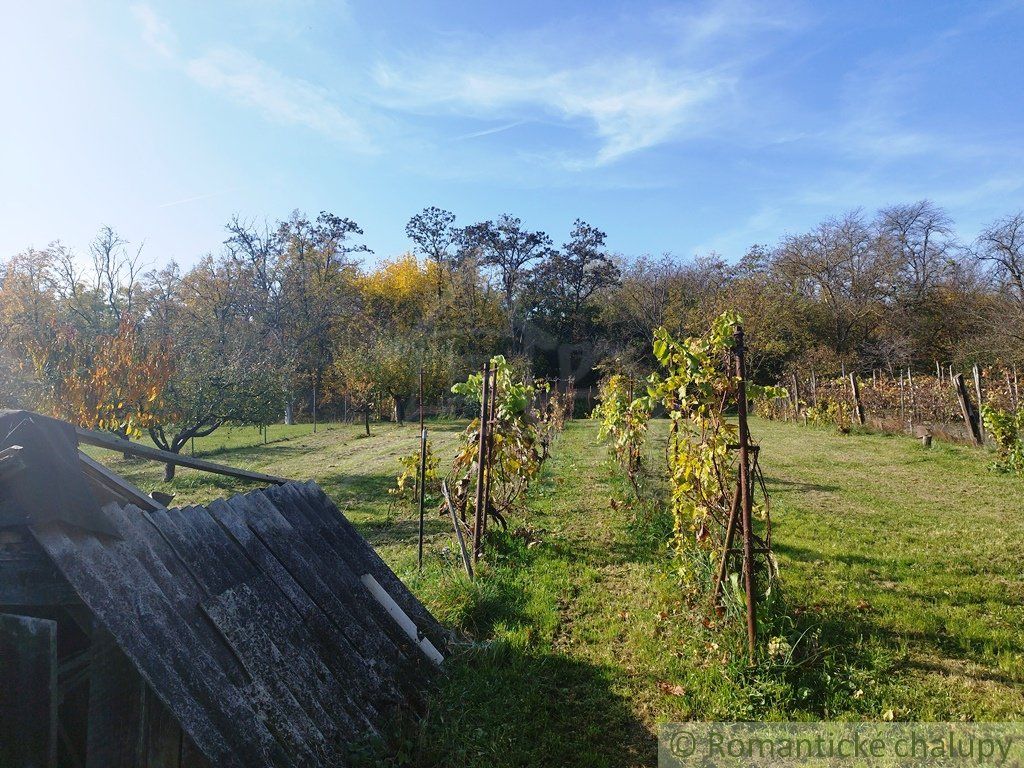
(294, 315)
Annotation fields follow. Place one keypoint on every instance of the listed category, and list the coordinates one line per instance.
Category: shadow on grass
(385, 532)
(368, 488)
(500, 705)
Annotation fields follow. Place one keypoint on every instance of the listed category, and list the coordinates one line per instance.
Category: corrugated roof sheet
(249, 619)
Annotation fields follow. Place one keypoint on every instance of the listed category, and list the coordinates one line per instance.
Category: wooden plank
(858, 404)
(103, 440)
(115, 706)
(967, 409)
(190, 756)
(28, 692)
(116, 487)
(27, 576)
(161, 736)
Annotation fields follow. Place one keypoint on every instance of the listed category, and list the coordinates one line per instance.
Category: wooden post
(29, 694)
(481, 456)
(746, 500)
(903, 408)
(858, 406)
(980, 400)
(967, 409)
(796, 395)
(814, 389)
(422, 488)
(913, 396)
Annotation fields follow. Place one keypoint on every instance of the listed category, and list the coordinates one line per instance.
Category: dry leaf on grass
(671, 689)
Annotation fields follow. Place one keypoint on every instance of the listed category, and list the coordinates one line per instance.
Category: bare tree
(1001, 245)
(919, 238)
(838, 265)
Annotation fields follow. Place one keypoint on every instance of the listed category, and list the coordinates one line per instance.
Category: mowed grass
(903, 567)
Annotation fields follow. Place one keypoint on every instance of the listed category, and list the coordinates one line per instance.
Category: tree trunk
(289, 412)
(169, 471)
(366, 419)
(399, 409)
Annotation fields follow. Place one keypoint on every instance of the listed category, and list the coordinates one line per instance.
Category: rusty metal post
(480, 460)
(458, 530)
(489, 459)
(422, 489)
(730, 531)
(421, 398)
(746, 499)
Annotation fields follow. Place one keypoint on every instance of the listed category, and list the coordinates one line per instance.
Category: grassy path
(905, 568)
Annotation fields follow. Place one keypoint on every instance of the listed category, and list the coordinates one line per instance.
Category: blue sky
(682, 127)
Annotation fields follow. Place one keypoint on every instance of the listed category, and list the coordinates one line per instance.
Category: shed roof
(270, 629)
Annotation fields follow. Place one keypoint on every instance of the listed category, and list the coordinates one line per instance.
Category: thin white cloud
(641, 81)
(155, 31)
(248, 81)
(694, 28)
(490, 131)
(630, 104)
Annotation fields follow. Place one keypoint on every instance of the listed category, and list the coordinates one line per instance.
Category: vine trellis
(713, 463)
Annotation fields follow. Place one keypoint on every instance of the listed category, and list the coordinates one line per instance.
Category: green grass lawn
(904, 568)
